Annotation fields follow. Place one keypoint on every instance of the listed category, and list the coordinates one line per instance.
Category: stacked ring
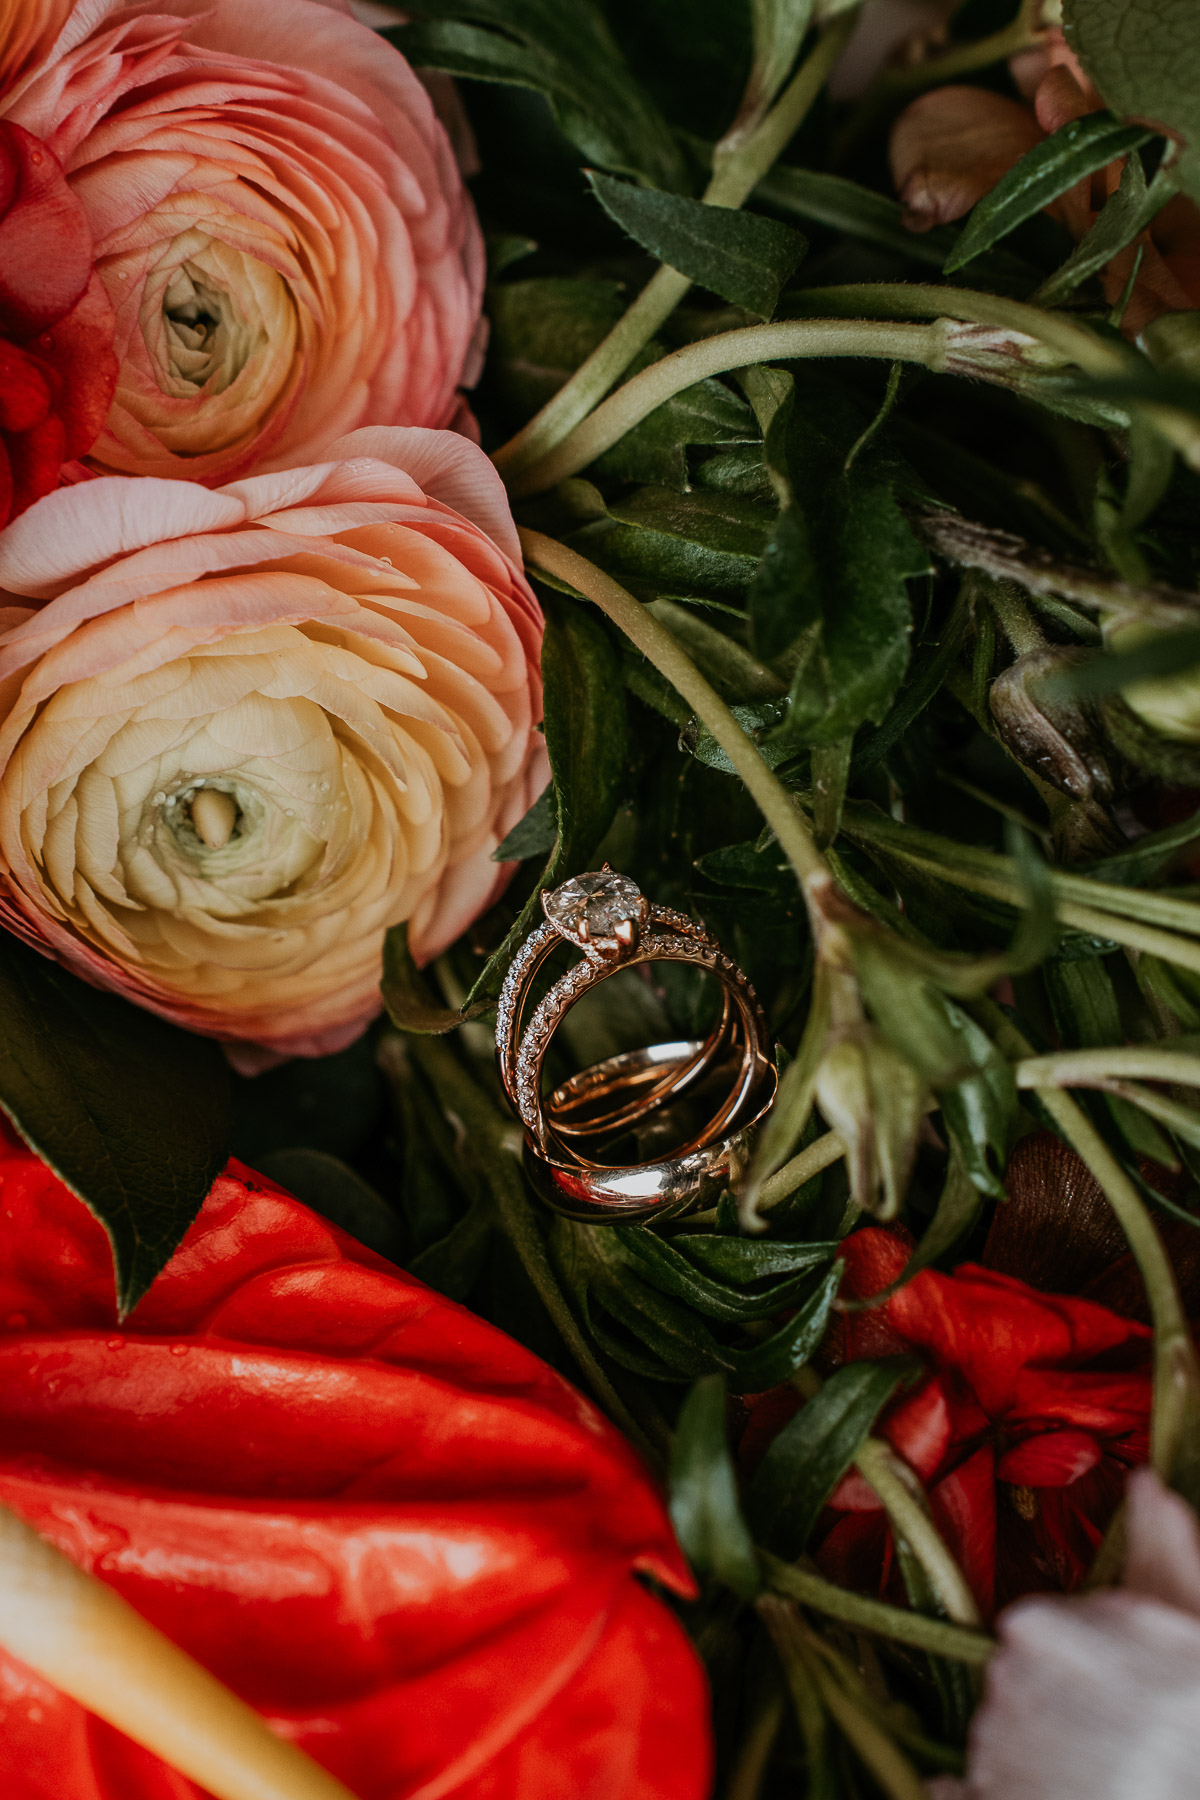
(569, 1135)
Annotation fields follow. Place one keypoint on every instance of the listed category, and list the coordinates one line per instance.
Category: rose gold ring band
(570, 1135)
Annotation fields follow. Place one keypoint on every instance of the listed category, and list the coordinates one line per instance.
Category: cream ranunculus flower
(279, 222)
(244, 731)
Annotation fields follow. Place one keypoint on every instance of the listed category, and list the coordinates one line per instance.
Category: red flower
(1033, 1406)
(394, 1531)
(58, 368)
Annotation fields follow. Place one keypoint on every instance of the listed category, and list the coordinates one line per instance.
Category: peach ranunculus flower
(243, 731)
(279, 221)
(951, 147)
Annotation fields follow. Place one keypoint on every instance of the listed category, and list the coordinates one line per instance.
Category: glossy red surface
(394, 1531)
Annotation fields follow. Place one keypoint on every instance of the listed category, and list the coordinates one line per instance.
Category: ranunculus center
(223, 841)
(208, 341)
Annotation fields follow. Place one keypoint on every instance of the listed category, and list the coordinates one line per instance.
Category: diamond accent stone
(601, 900)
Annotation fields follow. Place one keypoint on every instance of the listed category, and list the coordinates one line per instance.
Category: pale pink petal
(78, 528)
(449, 468)
(1162, 1557)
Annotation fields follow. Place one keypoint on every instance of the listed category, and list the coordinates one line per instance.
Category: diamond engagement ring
(692, 1101)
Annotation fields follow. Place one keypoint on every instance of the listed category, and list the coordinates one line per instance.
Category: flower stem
(663, 651)
(865, 1614)
(1082, 1068)
(1175, 1426)
(1095, 355)
(736, 173)
(882, 1470)
(643, 393)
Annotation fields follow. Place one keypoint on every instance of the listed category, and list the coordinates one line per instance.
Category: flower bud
(1054, 737)
(875, 1100)
(995, 353)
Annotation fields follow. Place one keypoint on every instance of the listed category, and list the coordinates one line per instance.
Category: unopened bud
(1056, 737)
(875, 1100)
(994, 353)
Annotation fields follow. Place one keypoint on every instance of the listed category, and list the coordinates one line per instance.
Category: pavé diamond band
(693, 1101)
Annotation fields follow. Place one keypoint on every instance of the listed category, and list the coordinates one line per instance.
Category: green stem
(644, 392)
(1082, 1068)
(736, 172)
(661, 649)
(1094, 354)
(877, 1616)
(1176, 1372)
(882, 1470)
(492, 1141)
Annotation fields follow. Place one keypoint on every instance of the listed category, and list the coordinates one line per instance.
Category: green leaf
(1146, 856)
(745, 259)
(564, 50)
(1144, 57)
(132, 1113)
(844, 206)
(831, 590)
(533, 835)
(703, 1493)
(814, 1450)
(663, 1263)
(1074, 151)
(406, 995)
(779, 29)
(975, 1085)
(1124, 216)
(586, 728)
(336, 1191)
(1167, 653)
(703, 542)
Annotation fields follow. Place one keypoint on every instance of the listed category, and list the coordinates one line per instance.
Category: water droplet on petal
(115, 1344)
(160, 799)
(179, 1349)
(387, 562)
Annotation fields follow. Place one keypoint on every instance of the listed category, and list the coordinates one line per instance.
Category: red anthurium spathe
(58, 368)
(396, 1533)
(1033, 1407)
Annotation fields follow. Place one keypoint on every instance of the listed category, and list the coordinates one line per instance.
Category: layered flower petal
(248, 730)
(279, 222)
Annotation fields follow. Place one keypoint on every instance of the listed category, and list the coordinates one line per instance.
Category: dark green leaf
(661, 1262)
(759, 722)
(564, 50)
(779, 28)
(586, 732)
(1144, 57)
(741, 1260)
(132, 1113)
(534, 834)
(452, 1265)
(814, 1450)
(765, 869)
(862, 212)
(745, 259)
(705, 543)
(333, 1189)
(831, 590)
(1124, 216)
(704, 1501)
(406, 994)
(1073, 152)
